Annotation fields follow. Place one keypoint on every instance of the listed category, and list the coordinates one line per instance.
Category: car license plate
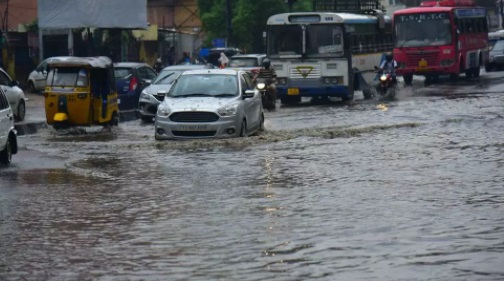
(192, 128)
(293, 91)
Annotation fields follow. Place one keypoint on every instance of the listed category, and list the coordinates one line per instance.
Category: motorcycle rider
(267, 73)
(158, 66)
(389, 65)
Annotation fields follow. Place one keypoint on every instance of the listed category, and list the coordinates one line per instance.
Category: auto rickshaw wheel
(58, 126)
(114, 121)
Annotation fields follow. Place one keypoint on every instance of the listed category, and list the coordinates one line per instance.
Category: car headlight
(261, 86)
(163, 111)
(145, 95)
(383, 78)
(229, 110)
(491, 58)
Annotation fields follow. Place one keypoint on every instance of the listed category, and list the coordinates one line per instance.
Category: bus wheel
(454, 77)
(476, 72)
(408, 79)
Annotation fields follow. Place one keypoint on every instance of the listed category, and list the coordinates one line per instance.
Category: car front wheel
(6, 154)
(21, 111)
(243, 130)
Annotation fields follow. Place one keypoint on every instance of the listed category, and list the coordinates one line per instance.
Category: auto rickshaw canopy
(92, 62)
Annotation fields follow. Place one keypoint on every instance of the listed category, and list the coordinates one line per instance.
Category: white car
(210, 103)
(37, 78)
(8, 137)
(14, 94)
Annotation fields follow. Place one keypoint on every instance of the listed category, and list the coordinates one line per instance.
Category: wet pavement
(405, 190)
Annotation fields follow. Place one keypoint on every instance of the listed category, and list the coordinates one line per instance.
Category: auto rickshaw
(81, 91)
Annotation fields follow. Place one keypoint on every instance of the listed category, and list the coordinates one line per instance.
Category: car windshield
(68, 76)
(243, 62)
(498, 46)
(285, 40)
(424, 29)
(122, 72)
(214, 85)
(166, 77)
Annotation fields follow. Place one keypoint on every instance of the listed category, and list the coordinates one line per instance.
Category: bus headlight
(327, 80)
(334, 80)
(282, 81)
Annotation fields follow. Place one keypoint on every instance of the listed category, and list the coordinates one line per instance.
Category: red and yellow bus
(438, 38)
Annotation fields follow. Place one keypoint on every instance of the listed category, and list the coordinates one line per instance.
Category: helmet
(266, 63)
(388, 56)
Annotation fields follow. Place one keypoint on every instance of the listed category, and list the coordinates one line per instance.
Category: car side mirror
(44, 73)
(14, 83)
(147, 82)
(247, 94)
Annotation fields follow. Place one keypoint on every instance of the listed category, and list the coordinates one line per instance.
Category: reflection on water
(411, 192)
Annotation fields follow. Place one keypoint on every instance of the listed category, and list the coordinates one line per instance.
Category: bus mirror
(381, 19)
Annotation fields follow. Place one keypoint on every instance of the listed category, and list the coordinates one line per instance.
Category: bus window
(325, 40)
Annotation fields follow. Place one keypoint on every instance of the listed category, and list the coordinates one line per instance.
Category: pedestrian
(223, 60)
(158, 66)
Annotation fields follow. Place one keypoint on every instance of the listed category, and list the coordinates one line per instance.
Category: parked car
(36, 81)
(214, 54)
(495, 51)
(251, 62)
(15, 95)
(131, 79)
(210, 103)
(154, 94)
(8, 137)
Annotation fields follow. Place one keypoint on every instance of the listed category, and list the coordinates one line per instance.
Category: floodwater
(404, 190)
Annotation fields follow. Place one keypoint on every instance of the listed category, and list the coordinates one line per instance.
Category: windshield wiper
(224, 95)
(193, 95)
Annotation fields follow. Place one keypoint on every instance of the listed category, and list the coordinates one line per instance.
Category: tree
(248, 20)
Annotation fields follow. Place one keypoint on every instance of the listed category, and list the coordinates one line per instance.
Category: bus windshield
(423, 29)
(324, 40)
(285, 40)
(321, 40)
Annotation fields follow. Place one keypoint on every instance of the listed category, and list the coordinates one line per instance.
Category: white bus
(324, 54)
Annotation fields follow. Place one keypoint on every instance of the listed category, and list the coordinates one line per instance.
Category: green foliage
(248, 20)
(33, 26)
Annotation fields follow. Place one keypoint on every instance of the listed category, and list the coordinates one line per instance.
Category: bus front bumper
(327, 91)
(434, 70)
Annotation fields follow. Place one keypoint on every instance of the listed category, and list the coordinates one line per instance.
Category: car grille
(432, 58)
(194, 133)
(308, 72)
(194, 117)
(160, 97)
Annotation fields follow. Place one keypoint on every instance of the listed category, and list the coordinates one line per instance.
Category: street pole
(228, 22)
(502, 13)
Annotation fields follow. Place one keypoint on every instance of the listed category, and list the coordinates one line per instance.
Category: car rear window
(122, 72)
(243, 62)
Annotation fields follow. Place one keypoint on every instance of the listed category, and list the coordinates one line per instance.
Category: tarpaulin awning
(127, 14)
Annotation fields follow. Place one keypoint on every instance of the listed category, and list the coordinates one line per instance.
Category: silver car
(154, 94)
(216, 103)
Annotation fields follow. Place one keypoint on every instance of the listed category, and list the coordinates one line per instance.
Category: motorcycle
(268, 94)
(387, 86)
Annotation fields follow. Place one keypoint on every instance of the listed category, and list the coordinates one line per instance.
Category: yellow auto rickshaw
(81, 91)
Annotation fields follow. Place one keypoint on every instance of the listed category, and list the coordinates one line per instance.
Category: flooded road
(404, 190)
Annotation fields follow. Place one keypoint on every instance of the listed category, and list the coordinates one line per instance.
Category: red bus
(437, 38)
